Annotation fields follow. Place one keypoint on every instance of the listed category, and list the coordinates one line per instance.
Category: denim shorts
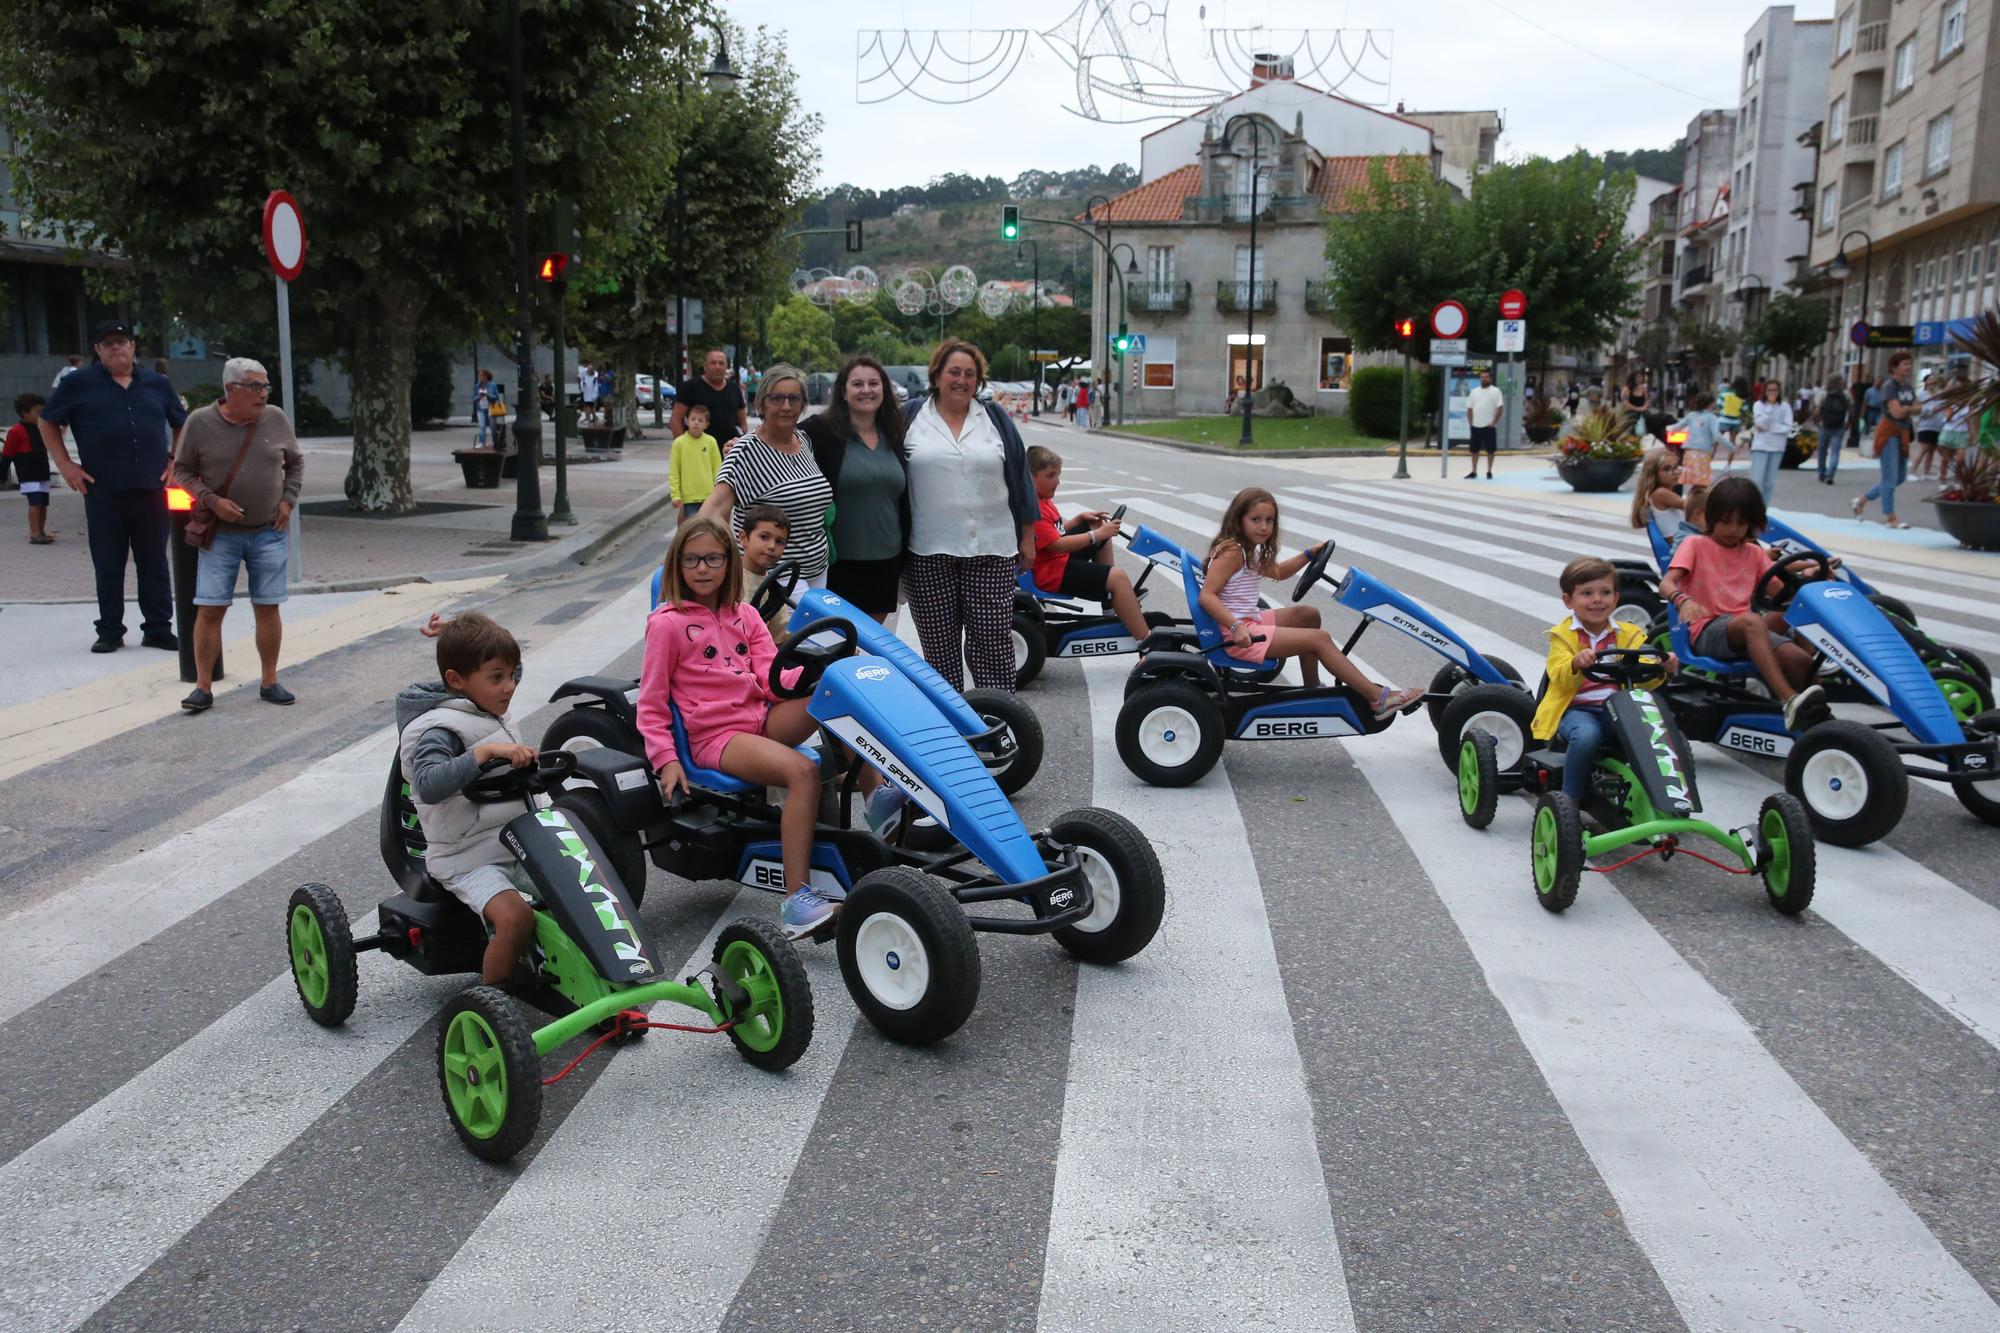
(264, 552)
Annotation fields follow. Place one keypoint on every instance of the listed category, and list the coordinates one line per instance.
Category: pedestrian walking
(718, 391)
(1835, 407)
(774, 465)
(500, 415)
(482, 402)
(1774, 426)
(586, 390)
(1636, 400)
(1574, 397)
(1955, 432)
(692, 463)
(1892, 439)
(69, 368)
(1734, 406)
(30, 458)
(1483, 407)
(1082, 404)
(858, 442)
(1929, 424)
(240, 461)
(124, 418)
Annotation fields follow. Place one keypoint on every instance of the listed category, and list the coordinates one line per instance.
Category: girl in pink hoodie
(710, 656)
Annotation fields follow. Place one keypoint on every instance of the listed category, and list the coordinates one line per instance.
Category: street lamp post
(530, 523)
(1124, 315)
(722, 77)
(1102, 356)
(1250, 288)
(1840, 268)
(1034, 320)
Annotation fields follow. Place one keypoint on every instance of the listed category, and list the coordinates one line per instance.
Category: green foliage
(430, 386)
(313, 416)
(800, 332)
(1401, 249)
(1372, 401)
(1706, 344)
(201, 395)
(1662, 164)
(1598, 435)
(1792, 325)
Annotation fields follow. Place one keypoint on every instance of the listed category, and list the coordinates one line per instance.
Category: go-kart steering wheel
(1315, 570)
(812, 658)
(1626, 667)
(775, 590)
(1789, 580)
(500, 781)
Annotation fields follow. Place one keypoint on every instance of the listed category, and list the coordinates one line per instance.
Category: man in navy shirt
(125, 420)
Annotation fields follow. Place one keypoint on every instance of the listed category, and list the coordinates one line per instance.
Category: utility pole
(530, 523)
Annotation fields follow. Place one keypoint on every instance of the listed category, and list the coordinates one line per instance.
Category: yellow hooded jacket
(1564, 680)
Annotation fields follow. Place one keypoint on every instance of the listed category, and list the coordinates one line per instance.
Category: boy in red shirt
(1710, 582)
(1074, 559)
(30, 458)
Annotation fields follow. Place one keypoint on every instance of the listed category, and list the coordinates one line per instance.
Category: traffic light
(553, 268)
(854, 236)
(1123, 342)
(1010, 222)
(1406, 329)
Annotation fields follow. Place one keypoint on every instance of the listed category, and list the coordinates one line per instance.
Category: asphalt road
(1360, 1080)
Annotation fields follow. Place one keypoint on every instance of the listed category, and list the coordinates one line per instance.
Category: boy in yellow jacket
(694, 462)
(1573, 706)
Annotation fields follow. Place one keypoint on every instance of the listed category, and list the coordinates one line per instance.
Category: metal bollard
(181, 563)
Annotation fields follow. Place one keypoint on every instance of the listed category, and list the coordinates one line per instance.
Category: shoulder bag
(200, 529)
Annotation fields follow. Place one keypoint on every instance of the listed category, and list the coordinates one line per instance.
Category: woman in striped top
(774, 465)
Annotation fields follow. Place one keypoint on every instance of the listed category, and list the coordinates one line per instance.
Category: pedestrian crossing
(1358, 1081)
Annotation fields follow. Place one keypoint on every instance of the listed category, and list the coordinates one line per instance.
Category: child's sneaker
(803, 910)
(884, 809)
(1808, 704)
(1394, 700)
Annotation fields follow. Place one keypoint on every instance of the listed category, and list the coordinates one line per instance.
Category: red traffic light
(1406, 327)
(554, 268)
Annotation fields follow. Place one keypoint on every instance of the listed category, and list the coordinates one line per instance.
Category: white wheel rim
(1020, 651)
(1835, 784)
(578, 744)
(1508, 743)
(1169, 736)
(1105, 895)
(1631, 613)
(892, 961)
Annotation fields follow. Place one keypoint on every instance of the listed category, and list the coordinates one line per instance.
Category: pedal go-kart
(1048, 624)
(1001, 729)
(1852, 776)
(1642, 791)
(906, 946)
(591, 961)
(1183, 701)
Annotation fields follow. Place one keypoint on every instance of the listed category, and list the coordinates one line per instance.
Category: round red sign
(1513, 303)
(284, 235)
(1449, 320)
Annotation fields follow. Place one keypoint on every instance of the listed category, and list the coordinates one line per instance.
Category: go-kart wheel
(1170, 733)
(1851, 781)
(1785, 852)
(592, 728)
(627, 855)
(1981, 798)
(1504, 712)
(489, 1073)
(1557, 850)
(1968, 660)
(1031, 649)
(1478, 778)
(322, 950)
(1453, 679)
(1639, 601)
(1894, 606)
(1023, 732)
(1966, 694)
(778, 1026)
(908, 956)
(1127, 888)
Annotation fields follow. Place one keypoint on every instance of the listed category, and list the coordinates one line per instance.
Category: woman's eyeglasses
(785, 399)
(704, 559)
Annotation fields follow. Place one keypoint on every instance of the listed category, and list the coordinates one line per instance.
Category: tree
(156, 130)
(1707, 344)
(1792, 326)
(1401, 247)
(802, 333)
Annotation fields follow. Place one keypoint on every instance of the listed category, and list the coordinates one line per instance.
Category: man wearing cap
(122, 417)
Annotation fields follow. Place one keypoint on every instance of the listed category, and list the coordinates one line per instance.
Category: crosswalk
(1359, 1080)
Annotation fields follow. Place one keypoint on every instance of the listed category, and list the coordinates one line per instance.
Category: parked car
(642, 385)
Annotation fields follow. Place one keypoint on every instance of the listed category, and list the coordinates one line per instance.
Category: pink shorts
(709, 746)
(1694, 467)
(1261, 624)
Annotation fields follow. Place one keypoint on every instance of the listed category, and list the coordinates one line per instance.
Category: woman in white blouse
(1775, 428)
(972, 521)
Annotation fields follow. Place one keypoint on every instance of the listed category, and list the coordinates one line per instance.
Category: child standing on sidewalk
(30, 458)
(694, 462)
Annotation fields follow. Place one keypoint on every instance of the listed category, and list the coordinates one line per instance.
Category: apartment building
(1701, 280)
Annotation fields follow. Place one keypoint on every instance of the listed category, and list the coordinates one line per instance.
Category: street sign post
(1512, 336)
(1449, 320)
(1448, 351)
(285, 248)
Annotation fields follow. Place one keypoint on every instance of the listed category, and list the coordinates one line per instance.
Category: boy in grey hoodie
(448, 730)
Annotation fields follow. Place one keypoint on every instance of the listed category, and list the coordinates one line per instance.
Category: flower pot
(1596, 474)
(600, 439)
(1975, 523)
(480, 466)
(1540, 434)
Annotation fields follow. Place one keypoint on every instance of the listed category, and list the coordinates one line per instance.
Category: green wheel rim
(1468, 777)
(309, 956)
(762, 1025)
(1961, 697)
(1778, 850)
(1545, 850)
(475, 1076)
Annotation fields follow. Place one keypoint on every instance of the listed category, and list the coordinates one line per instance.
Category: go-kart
(589, 965)
(906, 947)
(1852, 776)
(1642, 790)
(1183, 701)
(1048, 624)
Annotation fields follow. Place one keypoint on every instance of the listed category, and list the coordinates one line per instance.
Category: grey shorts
(482, 884)
(1713, 641)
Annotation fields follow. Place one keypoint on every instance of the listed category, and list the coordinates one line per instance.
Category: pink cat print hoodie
(716, 665)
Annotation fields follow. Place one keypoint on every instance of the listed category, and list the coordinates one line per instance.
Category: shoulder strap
(249, 432)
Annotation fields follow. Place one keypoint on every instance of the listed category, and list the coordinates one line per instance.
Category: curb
(1231, 451)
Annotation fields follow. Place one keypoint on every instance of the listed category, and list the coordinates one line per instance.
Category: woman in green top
(858, 441)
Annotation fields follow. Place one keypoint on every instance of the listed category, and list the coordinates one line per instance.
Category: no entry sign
(1449, 320)
(284, 236)
(1513, 303)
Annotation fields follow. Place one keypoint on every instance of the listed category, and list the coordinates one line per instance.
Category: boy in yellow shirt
(694, 462)
(1573, 706)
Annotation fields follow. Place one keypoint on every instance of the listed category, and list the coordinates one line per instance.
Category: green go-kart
(1642, 793)
(590, 965)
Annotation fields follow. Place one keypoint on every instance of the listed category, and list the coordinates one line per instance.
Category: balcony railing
(1871, 38)
(1319, 297)
(1163, 297)
(1694, 277)
(1861, 133)
(1238, 296)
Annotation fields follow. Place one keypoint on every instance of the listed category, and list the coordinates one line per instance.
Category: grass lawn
(1275, 433)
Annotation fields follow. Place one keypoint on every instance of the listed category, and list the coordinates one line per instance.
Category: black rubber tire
(1031, 650)
(795, 999)
(626, 853)
(1507, 669)
(1894, 606)
(1566, 828)
(1140, 884)
(585, 727)
(1888, 787)
(1800, 851)
(1969, 660)
(1979, 693)
(519, 1064)
(1478, 778)
(1029, 746)
(1197, 704)
(1980, 798)
(1451, 678)
(929, 913)
(1493, 706)
(336, 953)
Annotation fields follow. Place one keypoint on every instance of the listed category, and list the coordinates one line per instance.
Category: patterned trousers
(963, 607)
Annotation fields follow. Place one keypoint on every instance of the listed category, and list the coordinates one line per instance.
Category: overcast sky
(1443, 55)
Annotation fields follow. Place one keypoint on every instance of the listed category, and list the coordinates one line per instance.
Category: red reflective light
(179, 501)
(1677, 436)
(416, 934)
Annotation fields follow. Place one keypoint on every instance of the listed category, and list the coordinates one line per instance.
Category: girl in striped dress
(1240, 558)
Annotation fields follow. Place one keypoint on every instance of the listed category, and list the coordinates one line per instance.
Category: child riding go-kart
(1054, 624)
(1642, 790)
(590, 964)
(906, 948)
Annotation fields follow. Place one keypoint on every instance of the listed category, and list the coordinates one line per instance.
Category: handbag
(497, 409)
(199, 531)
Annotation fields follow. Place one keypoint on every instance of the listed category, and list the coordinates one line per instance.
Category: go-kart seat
(1663, 546)
(402, 839)
(1684, 649)
(654, 600)
(714, 779)
(1214, 644)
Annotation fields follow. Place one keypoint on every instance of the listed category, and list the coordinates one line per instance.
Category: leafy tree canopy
(1792, 325)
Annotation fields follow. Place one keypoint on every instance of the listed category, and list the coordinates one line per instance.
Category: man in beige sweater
(253, 518)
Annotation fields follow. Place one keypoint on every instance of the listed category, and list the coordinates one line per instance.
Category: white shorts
(482, 884)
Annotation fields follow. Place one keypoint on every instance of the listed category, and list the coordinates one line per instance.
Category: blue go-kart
(1048, 624)
(906, 945)
(1183, 701)
(1853, 776)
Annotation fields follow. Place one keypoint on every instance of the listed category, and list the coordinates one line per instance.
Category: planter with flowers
(1803, 445)
(1969, 506)
(1597, 452)
(1541, 420)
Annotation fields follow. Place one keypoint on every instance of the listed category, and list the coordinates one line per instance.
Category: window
(1244, 187)
(1843, 35)
(1905, 76)
(1160, 267)
(1937, 145)
(1951, 27)
(1749, 181)
(1892, 171)
(1249, 269)
(1336, 364)
(1753, 116)
(1753, 65)
(1836, 120)
(1829, 206)
(1162, 352)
